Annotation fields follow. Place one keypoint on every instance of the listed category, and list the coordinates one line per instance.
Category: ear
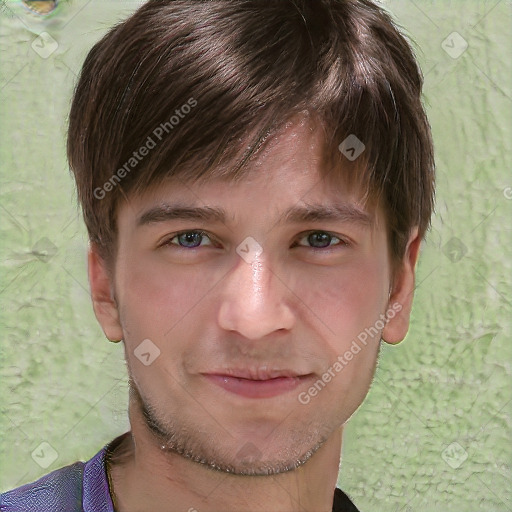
(400, 300)
(102, 294)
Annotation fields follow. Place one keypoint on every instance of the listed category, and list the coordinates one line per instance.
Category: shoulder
(82, 486)
(57, 491)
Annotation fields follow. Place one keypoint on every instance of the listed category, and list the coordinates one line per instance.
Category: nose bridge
(253, 300)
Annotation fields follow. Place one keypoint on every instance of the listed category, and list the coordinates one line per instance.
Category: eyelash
(342, 242)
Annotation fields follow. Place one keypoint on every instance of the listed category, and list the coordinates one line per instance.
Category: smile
(258, 387)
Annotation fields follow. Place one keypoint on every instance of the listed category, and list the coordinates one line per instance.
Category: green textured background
(434, 433)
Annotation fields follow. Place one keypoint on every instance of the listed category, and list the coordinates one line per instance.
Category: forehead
(287, 174)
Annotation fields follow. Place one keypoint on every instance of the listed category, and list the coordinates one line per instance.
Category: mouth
(258, 383)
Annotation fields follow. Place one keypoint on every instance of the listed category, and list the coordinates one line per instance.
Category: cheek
(167, 305)
(346, 299)
(156, 298)
(346, 303)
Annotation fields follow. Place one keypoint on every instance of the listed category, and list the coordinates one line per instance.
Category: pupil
(191, 238)
(321, 237)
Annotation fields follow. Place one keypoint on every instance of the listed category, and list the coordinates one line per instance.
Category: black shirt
(342, 502)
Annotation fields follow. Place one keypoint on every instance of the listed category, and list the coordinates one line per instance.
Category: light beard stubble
(172, 440)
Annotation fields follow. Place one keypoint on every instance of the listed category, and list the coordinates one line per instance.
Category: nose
(253, 300)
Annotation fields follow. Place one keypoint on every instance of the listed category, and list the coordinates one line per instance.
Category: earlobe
(103, 301)
(400, 300)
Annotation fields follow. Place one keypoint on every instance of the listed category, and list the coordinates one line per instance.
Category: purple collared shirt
(83, 487)
(79, 487)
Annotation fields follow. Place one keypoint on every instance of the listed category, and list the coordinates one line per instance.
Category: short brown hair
(217, 78)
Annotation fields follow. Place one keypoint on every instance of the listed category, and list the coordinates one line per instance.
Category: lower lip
(257, 388)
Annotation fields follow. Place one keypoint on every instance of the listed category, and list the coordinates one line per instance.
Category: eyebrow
(343, 212)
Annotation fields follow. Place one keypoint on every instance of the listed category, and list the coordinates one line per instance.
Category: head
(297, 129)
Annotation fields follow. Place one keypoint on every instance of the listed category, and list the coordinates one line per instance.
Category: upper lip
(257, 373)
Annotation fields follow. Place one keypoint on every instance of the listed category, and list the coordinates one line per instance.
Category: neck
(145, 477)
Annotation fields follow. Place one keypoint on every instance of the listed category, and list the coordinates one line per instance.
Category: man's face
(244, 335)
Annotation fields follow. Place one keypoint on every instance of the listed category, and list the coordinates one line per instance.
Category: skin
(295, 307)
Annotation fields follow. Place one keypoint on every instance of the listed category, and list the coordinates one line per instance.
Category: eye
(187, 239)
(322, 240)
